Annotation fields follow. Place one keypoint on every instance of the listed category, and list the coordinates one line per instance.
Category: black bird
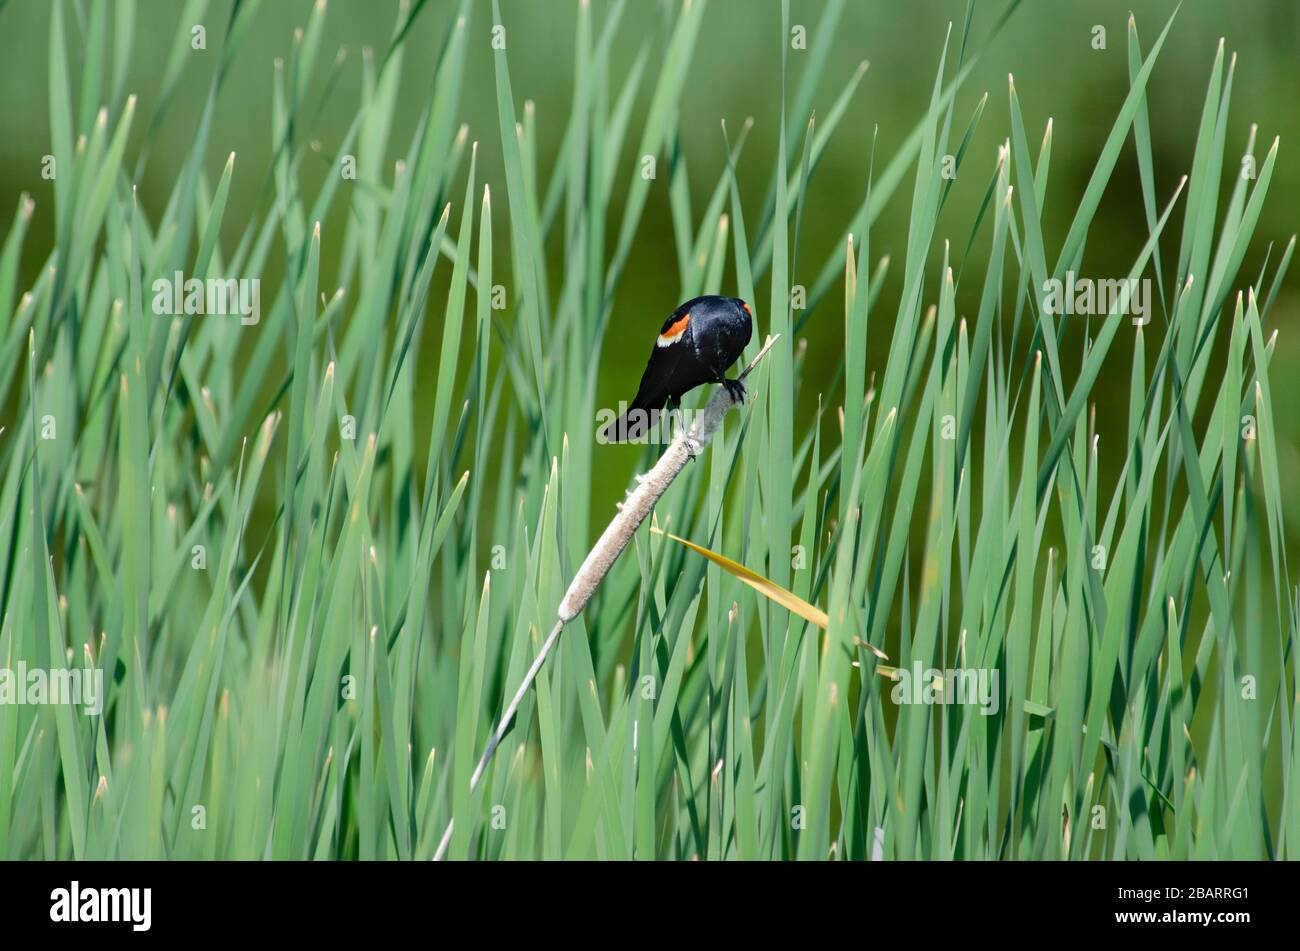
(696, 345)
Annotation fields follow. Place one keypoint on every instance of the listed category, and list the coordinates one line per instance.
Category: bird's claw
(736, 390)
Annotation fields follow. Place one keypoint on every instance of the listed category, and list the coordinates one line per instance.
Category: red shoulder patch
(674, 330)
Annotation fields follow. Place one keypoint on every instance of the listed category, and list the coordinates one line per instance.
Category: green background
(1048, 46)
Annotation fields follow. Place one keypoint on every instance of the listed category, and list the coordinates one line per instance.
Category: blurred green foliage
(1047, 45)
(1085, 661)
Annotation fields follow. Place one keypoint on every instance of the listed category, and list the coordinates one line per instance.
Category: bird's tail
(636, 423)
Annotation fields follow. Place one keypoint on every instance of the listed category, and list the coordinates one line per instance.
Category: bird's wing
(657, 381)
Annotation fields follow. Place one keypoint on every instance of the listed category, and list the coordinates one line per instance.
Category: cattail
(686, 445)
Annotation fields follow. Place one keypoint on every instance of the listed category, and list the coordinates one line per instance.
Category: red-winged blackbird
(696, 345)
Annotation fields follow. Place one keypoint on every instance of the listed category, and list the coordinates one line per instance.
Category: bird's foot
(736, 390)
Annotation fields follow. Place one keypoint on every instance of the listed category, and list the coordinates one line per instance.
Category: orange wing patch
(673, 331)
(747, 310)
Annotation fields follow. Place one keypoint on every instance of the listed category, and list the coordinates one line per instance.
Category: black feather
(712, 337)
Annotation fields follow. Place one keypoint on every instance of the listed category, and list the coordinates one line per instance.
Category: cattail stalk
(686, 445)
